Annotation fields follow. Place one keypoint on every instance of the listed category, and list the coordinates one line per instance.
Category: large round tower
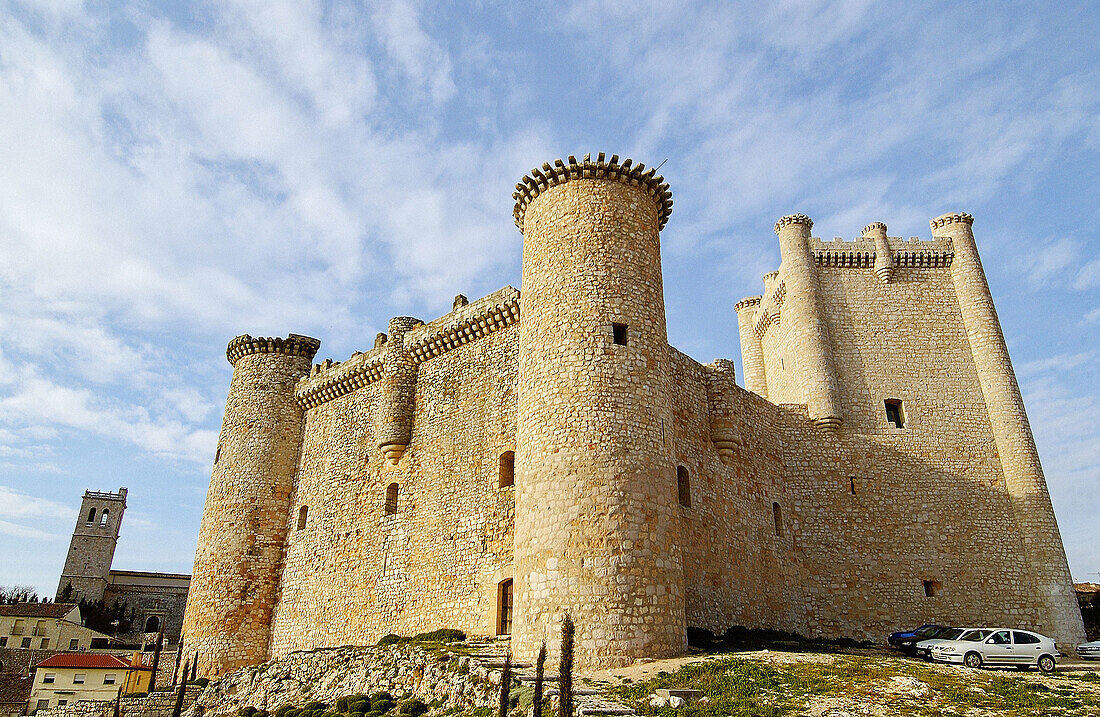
(244, 523)
(597, 521)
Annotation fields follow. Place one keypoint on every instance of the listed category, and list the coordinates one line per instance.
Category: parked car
(906, 641)
(924, 647)
(1089, 650)
(1000, 646)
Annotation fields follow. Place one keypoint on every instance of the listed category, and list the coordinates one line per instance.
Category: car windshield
(926, 630)
(950, 634)
(976, 635)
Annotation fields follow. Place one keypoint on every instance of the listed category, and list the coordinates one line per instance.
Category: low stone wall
(158, 704)
(439, 678)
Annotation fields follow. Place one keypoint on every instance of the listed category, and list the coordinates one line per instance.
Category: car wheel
(1046, 664)
(973, 659)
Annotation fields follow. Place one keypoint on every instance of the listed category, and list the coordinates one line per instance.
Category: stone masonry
(878, 472)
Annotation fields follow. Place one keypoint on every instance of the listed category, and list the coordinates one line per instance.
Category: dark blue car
(907, 641)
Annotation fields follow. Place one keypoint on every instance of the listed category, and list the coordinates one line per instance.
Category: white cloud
(424, 60)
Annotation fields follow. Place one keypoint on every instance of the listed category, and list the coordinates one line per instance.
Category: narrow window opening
(777, 518)
(303, 514)
(391, 499)
(507, 469)
(91, 515)
(103, 517)
(152, 624)
(619, 333)
(218, 454)
(504, 600)
(852, 485)
(781, 364)
(683, 486)
(895, 414)
(931, 588)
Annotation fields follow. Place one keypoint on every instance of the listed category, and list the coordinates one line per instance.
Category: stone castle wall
(651, 491)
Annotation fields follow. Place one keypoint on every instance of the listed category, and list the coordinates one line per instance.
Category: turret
(241, 539)
(803, 316)
(395, 408)
(1060, 616)
(725, 429)
(597, 523)
(752, 353)
(884, 256)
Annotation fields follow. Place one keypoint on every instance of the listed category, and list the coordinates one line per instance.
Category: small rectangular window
(45, 644)
(62, 703)
(26, 643)
(43, 705)
(777, 519)
(48, 678)
(3, 641)
(618, 332)
(109, 679)
(17, 628)
(895, 414)
(78, 678)
(74, 643)
(931, 588)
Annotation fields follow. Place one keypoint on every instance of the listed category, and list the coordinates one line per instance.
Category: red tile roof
(90, 660)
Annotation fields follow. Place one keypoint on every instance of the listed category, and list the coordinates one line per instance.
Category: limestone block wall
(355, 572)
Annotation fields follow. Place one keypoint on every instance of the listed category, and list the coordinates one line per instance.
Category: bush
(282, 711)
(246, 711)
(315, 706)
(356, 713)
(381, 706)
(412, 708)
(445, 634)
(361, 705)
(261, 713)
(373, 713)
(379, 696)
(201, 682)
(392, 639)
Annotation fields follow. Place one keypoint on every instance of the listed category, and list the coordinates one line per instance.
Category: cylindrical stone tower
(752, 353)
(725, 427)
(1059, 615)
(244, 523)
(597, 526)
(395, 408)
(803, 315)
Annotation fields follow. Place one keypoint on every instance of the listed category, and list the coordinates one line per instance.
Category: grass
(761, 688)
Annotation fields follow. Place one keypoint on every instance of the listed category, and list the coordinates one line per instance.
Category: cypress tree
(176, 669)
(118, 702)
(195, 667)
(156, 660)
(565, 669)
(540, 668)
(505, 684)
(178, 708)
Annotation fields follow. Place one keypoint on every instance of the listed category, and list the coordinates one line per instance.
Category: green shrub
(392, 639)
(373, 713)
(378, 696)
(315, 706)
(282, 711)
(445, 634)
(201, 682)
(356, 713)
(260, 713)
(360, 705)
(381, 706)
(342, 704)
(412, 708)
(246, 711)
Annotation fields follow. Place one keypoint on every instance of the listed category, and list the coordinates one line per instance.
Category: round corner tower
(241, 540)
(597, 521)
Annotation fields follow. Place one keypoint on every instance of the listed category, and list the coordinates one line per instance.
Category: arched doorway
(152, 624)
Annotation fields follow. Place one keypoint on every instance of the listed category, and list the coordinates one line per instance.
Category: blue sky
(172, 176)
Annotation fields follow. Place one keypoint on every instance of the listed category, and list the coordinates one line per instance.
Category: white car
(1089, 650)
(924, 647)
(1000, 646)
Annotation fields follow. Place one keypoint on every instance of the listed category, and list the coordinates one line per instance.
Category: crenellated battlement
(950, 218)
(747, 303)
(539, 180)
(292, 345)
(468, 322)
(793, 219)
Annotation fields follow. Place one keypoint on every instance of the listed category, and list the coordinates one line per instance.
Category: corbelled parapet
(791, 220)
(950, 218)
(539, 180)
(884, 256)
(292, 345)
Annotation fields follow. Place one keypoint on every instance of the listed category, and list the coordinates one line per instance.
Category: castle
(522, 457)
